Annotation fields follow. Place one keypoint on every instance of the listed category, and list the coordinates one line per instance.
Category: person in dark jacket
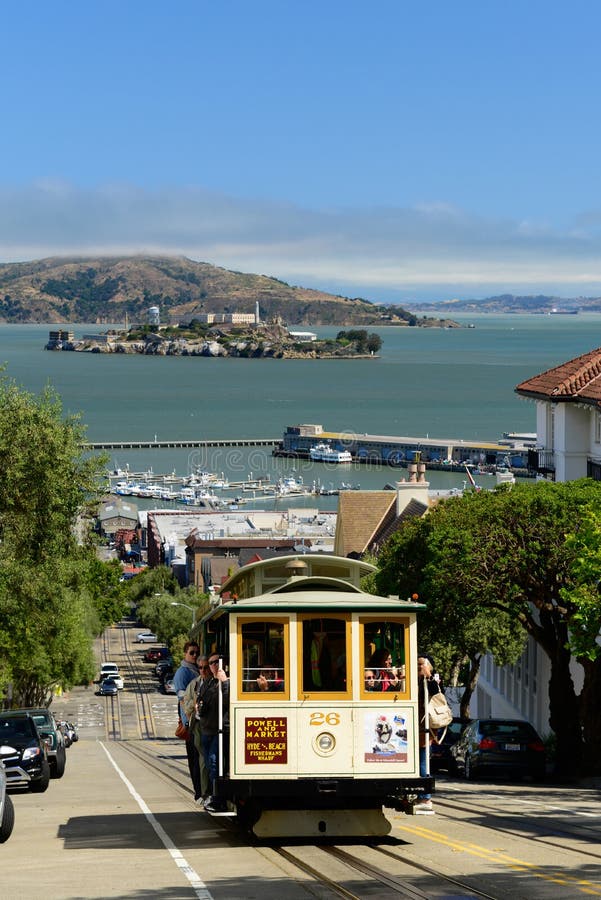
(208, 712)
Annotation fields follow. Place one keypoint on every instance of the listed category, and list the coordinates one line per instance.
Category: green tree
(428, 556)
(374, 342)
(505, 552)
(582, 594)
(46, 618)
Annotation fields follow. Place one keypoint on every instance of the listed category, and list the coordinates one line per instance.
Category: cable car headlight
(324, 743)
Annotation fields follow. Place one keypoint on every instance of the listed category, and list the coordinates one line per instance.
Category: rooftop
(578, 379)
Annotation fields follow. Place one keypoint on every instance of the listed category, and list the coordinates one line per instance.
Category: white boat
(326, 453)
(290, 485)
(186, 495)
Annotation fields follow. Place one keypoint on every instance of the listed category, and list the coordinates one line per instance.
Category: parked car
(24, 752)
(156, 653)
(73, 732)
(440, 753)
(509, 746)
(146, 637)
(7, 810)
(163, 665)
(168, 687)
(108, 687)
(116, 678)
(65, 730)
(48, 728)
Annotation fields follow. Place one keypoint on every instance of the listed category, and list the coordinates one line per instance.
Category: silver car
(7, 810)
(146, 637)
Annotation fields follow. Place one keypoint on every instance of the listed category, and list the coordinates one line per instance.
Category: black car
(24, 752)
(502, 746)
(48, 728)
(440, 753)
(164, 669)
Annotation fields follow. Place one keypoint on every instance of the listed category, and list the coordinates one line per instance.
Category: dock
(393, 450)
(178, 443)
(387, 450)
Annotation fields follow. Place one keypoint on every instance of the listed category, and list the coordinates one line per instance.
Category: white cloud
(379, 253)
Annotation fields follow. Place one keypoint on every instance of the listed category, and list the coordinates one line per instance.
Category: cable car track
(177, 778)
(137, 690)
(145, 718)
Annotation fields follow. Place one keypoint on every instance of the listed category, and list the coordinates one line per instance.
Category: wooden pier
(181, 444)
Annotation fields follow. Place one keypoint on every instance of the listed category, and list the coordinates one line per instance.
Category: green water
(456, 383)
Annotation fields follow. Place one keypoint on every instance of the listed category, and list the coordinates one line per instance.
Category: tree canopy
(492, 562)
(55, 596)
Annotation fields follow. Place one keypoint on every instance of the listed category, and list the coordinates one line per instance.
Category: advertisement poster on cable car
(385, 736)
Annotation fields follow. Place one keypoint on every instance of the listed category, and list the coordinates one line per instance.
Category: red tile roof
(579, 379)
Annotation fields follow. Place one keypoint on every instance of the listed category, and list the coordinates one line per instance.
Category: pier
(180, 444)
(387, 450)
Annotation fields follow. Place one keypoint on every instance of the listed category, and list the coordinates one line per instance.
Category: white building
(303, 337)
(568, 417)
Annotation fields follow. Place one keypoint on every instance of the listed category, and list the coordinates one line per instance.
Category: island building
(234, 318)
(302, 337)
(154, 316)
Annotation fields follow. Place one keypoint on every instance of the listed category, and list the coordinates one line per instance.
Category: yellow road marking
(518, 865)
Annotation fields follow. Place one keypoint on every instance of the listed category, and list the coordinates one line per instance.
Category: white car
(146, 637)
(108, 668)
(116, 678)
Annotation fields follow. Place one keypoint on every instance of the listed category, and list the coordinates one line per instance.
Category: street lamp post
(185, 605)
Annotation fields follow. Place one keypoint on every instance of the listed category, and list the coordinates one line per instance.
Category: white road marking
(196, 882)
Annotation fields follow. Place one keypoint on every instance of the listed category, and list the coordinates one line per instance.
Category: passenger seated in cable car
(387, 676)
(270, 679)
(371, 683)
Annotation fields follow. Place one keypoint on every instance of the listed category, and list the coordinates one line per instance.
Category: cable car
(320, 737)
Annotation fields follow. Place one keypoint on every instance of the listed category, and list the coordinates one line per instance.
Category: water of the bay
(456, 383)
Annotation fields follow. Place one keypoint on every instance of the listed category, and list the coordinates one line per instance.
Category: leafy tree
(430, 554)
(505, 553)
(583, 595)
(155, 592)
(374, 342)
(47, 578)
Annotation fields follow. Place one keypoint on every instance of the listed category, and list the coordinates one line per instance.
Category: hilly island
(118, 289)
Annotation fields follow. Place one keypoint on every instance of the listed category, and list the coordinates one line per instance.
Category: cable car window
(384, 656)
(324, 655)
(263, 656)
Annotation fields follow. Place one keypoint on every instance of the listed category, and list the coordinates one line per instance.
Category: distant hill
(107, 289)
(510, 303)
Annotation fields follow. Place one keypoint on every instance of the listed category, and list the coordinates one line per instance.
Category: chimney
(416, 488)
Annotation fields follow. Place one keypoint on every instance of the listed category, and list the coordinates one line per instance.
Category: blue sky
(391, 150)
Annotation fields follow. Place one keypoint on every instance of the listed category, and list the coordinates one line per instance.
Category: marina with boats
(207, 489)
(320, 454)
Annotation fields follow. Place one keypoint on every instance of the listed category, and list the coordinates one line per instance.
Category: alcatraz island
(172, 306)
(227, 338)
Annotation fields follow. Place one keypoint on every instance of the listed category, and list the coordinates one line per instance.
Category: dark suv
(24, 752)
(48, 728)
